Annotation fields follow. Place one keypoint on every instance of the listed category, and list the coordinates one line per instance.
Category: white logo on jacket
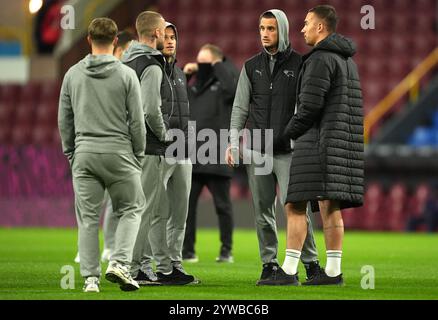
(289, 73)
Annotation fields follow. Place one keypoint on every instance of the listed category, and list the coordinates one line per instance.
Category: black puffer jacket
(328, 162)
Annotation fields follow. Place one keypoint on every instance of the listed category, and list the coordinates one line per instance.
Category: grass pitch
(405, 266)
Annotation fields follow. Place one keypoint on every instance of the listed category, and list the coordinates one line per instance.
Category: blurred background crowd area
(397, 63)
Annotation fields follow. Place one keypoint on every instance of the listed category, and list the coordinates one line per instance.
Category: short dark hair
(147, 22)
(328, 14)
(102, 31)
(215, 50)
(125, 37)
(267, 15)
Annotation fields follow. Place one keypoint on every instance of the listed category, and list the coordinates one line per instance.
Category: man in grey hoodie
(160, 107)
(103, 135)
(264, 101)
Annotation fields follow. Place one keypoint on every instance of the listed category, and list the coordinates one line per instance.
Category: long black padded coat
(328, 160)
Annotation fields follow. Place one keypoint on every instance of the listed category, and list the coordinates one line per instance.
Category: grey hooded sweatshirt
(100, 109)
(150, 82)
(240, 112)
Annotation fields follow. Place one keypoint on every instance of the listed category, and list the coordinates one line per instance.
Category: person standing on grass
(328, 162)
(163, 111)
(110, 219)
(102, 128)
(265, 101)
(211, 99)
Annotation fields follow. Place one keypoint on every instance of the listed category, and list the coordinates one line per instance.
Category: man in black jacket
(327, 165)
(265, 101)
(211, 100)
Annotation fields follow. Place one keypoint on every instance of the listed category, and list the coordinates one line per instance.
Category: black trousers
(219, 188)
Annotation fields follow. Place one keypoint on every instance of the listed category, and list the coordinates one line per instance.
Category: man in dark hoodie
(161, 107)
(211, 100)
(265, 100)
(327, 166)
(103, 135)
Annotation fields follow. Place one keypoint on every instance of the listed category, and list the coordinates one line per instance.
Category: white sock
(333, 266)
(291, 260)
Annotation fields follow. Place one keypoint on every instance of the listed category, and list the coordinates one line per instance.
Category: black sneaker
(178, 265)
(312, 269)
(322, 279)
(273, 275)
(147, 279)
(176, 278)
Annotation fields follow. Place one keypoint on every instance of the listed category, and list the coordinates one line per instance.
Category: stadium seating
(28, 113)
(425, 136)
(387, 209)
(30, 152)
(385, 55)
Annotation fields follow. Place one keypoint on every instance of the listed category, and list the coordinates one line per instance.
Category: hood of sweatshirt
(283, 29)
(137, 49)
(338, 44)
(99, 66)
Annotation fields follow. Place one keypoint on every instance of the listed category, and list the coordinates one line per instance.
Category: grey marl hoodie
(100, 108)
(150, 82)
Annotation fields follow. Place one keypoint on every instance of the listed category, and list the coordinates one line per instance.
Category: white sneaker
(191, 258)
(91, 284)
(106, 255)
(77, 259)
(117, 273)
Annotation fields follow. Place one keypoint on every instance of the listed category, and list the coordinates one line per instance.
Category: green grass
(406, 267)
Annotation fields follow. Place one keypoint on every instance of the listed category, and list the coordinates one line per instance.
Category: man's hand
(229, 158)
(191, 68)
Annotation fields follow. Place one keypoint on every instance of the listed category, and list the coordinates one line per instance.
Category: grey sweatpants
(161, 235)
(110, 222)
(264, 193)
(120, 174)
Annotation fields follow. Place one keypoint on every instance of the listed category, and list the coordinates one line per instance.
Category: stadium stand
(30, 152)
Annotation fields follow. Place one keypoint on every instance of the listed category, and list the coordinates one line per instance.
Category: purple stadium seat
(21, 134)
(9, 93)
(41, 135)
(418, 200)
(207, 22)
(6, 112)
(29, 93)
(50, 91)
(46, 113)
(208, 5)
(372, 210)
(5, 132)
(56, 137)
(396, 207)
(352, 218)
(24, 114)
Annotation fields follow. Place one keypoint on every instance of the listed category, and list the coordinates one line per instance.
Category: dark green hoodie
(100, 108)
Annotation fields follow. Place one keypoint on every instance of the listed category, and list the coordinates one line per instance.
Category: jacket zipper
(268, 124)
(178, 104)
